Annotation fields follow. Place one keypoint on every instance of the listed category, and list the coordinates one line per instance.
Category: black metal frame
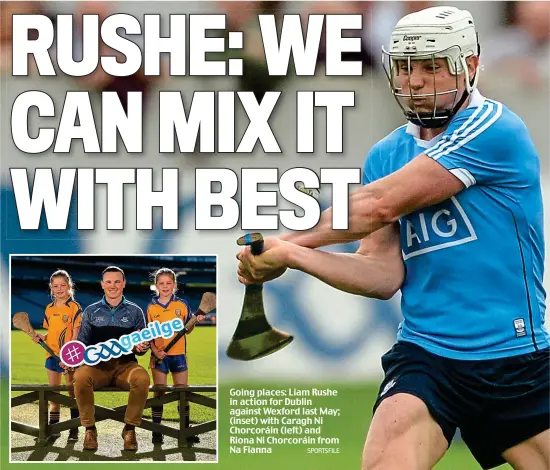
(47, 393)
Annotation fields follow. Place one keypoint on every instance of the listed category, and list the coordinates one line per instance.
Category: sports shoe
(158, 438)
(54, 435)
(73, 434)
(193, 439)
(130, 440)
(90, 439)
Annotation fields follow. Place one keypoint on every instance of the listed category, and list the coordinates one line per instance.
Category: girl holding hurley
(62, 320)
(165, 307)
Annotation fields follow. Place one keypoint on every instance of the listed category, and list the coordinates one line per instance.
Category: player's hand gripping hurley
(21, 322)
(207, 305)
(254, 337)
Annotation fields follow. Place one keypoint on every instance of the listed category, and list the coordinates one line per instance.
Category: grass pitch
(27, 367)
(354, 401)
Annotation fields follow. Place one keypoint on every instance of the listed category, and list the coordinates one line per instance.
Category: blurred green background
(354, 401)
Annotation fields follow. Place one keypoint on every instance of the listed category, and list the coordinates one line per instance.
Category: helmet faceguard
(416, 37)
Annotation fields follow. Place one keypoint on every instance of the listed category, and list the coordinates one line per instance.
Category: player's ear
(473, 63)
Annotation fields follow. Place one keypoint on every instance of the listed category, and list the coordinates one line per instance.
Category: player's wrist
(291, 255)
(291, 237)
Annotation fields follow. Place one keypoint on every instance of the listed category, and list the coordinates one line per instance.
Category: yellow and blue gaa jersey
(175, 308)
(475, 262)
(60, 321)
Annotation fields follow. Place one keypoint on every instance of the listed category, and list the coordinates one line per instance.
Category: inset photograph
(113, 358)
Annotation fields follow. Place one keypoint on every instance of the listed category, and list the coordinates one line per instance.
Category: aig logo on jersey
(441, 226)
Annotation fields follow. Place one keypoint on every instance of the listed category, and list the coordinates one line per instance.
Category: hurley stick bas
(208, 303)
(21, 322)
(254, 337)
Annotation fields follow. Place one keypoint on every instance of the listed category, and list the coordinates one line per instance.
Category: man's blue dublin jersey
(474, 263)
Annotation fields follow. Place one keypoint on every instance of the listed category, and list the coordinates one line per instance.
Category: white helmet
(438, 32)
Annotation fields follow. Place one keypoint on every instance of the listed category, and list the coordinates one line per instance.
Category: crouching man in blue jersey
(110, 318)
(450, 214)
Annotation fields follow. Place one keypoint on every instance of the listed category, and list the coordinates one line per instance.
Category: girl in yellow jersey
(62, 320)
(165, 307)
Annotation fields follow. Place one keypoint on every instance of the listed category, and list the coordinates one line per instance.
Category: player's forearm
(366, 215)
(352, 273)
(74, 335)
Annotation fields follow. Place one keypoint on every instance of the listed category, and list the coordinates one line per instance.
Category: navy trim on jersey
(157, 300)
(533, 337)
(61, 340)
(189, 316)
(189, 311)
(77, 314)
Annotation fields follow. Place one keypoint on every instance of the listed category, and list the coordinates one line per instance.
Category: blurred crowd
(516, 44)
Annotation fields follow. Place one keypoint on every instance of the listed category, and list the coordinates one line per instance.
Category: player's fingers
(244, 267)
(243, 258)
(249, 274)
(243, 280)
(242, 272)
(247, 255)
(250, 281)
(243, 253)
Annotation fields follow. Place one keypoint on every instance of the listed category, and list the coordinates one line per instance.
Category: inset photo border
(113, 358)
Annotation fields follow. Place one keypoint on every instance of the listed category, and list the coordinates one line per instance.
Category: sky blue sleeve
(486, 145)
(370, 167)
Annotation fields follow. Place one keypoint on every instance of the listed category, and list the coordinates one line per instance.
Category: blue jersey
(474, 263)
(101, 322)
